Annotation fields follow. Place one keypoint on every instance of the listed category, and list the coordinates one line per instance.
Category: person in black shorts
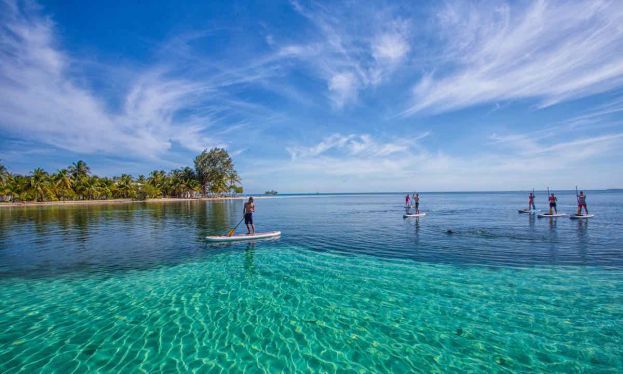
(249, 208)
(552, 203)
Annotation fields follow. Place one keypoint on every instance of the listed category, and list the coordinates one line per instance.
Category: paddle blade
(231, 232)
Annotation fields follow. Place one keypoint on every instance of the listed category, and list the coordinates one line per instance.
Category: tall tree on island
(215, 171)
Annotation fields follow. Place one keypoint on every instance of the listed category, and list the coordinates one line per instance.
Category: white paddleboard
(414, 215)
(528, 211)
(545, 215)
(240, 237)
(581, 216)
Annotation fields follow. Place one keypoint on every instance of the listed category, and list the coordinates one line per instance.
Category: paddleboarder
(407, 201)
(552, 203)
(416, 201)
(582, 203)
(249, 209)
(531, 205)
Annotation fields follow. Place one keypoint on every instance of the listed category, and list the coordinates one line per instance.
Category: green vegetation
(215, 171)
(271, 192)
(214, 175)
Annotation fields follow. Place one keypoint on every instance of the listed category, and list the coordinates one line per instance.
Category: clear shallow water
(351, 285)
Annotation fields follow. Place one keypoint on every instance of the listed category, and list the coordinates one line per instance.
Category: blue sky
(320, 96)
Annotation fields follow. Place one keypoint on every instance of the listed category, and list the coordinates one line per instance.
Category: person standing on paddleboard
(249, 209)
(552, 203)
(416, 201)
(407, 201)
(531, 205)
(582, 203)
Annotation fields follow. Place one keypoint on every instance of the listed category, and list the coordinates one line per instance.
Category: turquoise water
(350, 286)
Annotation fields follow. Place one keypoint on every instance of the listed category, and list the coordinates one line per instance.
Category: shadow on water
(531, 222)
(583, 239)
(553, 239)
(249, 259)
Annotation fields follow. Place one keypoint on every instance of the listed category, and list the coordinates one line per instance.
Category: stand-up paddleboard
(414, 215)
(545, 215)
(240, 237)
(528, 211)
(581, 216)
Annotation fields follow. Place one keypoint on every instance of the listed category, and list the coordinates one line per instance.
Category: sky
(327, 96)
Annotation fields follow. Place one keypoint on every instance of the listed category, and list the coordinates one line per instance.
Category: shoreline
(117, 201)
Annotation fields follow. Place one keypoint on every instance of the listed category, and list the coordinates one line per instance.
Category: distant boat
(271, 192)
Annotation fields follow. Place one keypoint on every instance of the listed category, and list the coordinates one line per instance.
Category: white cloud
(42, 97)
(343, 87)
(357, 49)
(390, 47)
(549, 51)
(40, 100)
(361, 146)
(360, 162)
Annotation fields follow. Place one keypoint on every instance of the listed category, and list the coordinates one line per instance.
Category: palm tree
(125, 186)
(12, 188)
(91, 187)
(234, 181)
(106, 187)
(23, 192)
(79, 169)
(5, 180)
(39, 184)
(63, 184)
(214, 173)
(4, 173)
(193, 186)
(158, 179)
(80, 186)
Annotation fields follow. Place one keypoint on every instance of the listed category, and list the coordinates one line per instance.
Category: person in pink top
(531, 205)
(582, 203)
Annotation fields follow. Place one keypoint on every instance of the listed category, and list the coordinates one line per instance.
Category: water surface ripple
(349, 286)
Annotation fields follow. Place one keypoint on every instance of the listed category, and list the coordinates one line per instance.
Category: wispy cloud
(42, 97)
(336, 80)
(549, 51)
(40, 100)
(362, 146)
(361, 162)
(356, 50)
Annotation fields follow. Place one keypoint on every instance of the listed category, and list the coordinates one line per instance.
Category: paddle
(231, 232)
(550, 208)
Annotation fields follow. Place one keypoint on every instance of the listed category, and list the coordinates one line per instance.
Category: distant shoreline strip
(117, 201)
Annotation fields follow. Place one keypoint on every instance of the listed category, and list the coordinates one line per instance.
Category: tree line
(213, 175)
